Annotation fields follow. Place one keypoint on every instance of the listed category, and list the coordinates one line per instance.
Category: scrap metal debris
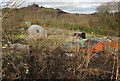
(20, 47)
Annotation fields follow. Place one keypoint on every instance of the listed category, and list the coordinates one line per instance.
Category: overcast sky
(71, 6)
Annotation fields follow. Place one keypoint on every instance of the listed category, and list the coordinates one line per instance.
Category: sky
(71, 6)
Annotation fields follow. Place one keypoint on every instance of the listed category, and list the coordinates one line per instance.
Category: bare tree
(110, 7)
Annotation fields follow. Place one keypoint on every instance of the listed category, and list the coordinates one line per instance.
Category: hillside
(57, 18)
(57, 50)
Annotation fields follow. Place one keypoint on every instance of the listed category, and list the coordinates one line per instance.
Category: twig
(78, 66)
(98, 70)
(40, 71)
(12, 64)
(15, 5)
(4, 68)
(6, 36)
(113, 68)
(117, 70)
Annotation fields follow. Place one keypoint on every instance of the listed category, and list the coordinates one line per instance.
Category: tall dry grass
(53, 18)
(47, 59)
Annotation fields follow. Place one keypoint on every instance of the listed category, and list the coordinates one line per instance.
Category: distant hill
(55, 18)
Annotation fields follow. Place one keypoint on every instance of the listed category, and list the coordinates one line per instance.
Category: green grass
(83, 29)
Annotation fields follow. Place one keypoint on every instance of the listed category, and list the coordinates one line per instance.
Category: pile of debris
(94, 45)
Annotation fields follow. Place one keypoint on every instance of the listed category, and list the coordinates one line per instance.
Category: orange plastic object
(114, 44)
(98, 47)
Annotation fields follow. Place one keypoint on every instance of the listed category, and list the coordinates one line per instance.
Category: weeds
(51, 17)
(48, 61)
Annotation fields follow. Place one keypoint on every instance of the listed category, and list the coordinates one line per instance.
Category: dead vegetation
(97, 23)
(47, 58)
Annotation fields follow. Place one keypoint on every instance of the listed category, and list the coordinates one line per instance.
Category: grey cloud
(73, 7)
